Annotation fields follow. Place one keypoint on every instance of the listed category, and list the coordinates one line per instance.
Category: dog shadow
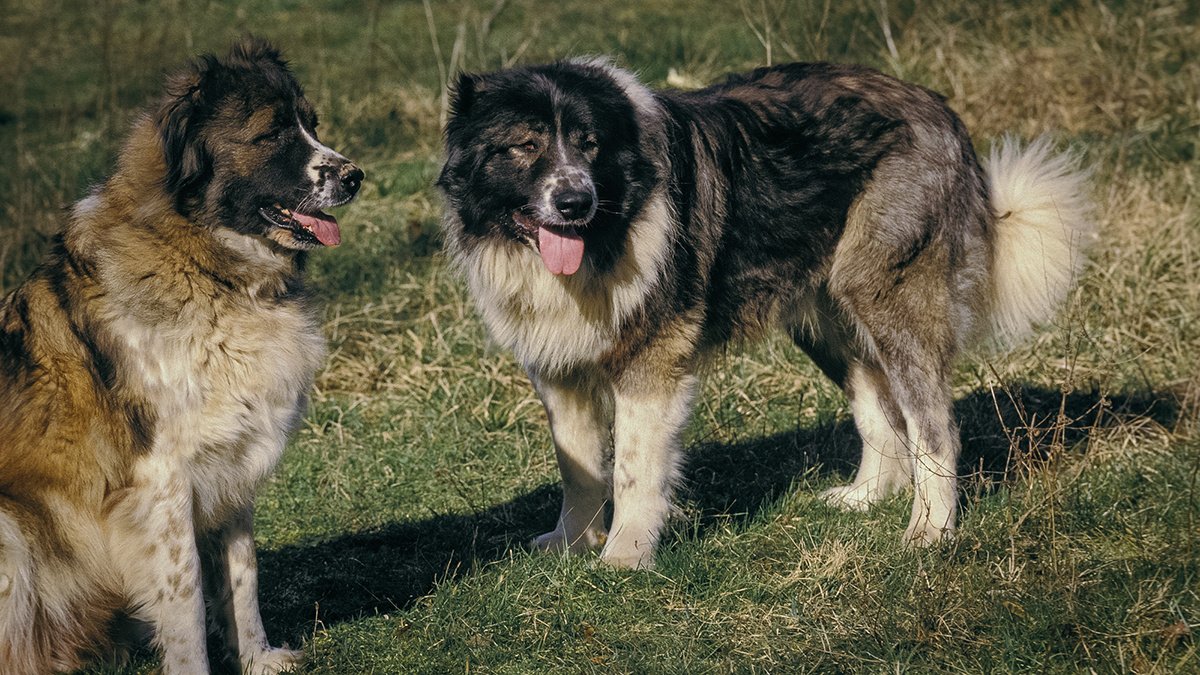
(312, 585)
(308, 586)
(1003, 432)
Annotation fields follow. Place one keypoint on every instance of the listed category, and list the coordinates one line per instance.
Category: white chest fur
(552, 323)
(227, 386)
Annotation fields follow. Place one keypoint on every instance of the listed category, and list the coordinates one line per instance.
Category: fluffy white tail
(1043, 229)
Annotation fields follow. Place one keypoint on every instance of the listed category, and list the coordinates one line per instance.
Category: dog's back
(802, 160)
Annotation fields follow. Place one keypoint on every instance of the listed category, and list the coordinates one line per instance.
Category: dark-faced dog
(152, 369)
(612, 236)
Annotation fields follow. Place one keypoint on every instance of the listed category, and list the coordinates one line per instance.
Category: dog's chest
(548, 324)
(226, 389)
(554, 323)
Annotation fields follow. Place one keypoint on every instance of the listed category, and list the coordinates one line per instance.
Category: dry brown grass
(426, 461)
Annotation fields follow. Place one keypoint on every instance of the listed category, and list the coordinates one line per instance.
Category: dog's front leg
(580, 411)
(152, 540)
(235, 579)
(650, 417)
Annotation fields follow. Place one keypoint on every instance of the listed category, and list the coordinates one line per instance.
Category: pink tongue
(323, 226)
(562, 250)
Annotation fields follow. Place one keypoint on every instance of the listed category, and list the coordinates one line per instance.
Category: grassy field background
(391, 538)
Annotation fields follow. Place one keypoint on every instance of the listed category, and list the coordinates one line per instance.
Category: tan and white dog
(152, 369)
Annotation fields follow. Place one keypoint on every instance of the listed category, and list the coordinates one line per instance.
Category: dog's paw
(852, 497)
(921, 533)
(551, 542)
(557, 541)
(273, 660)
(624, 556)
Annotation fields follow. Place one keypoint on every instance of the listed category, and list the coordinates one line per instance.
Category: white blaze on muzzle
(323, 156)
(322, 169)
(559, 245)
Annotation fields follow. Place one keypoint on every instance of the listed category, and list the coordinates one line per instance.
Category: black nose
(573, 204)
(351, 177)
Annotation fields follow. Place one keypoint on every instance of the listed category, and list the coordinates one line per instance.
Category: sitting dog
(152, 369)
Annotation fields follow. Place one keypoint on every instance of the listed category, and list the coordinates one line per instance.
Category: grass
(391, 537)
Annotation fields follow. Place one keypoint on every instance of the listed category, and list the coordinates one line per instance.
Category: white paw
(551, 542)
(557, 541)
(852, 497)
(273, 660)
(922, 532)
(628, 555)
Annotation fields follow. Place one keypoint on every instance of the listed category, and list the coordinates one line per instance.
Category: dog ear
(463, 95)
(251, 49)
(179, 121)
(464, 92)
(447, 179)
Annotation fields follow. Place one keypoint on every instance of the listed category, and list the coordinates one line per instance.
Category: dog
(152, 369)
(612, 236)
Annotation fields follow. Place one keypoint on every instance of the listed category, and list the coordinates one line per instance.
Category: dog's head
(241, 150)
(549, 156)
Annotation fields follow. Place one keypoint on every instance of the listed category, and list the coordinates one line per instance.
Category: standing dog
(612, 235)
(152, 369)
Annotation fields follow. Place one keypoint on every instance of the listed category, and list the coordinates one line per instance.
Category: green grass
(391, 537)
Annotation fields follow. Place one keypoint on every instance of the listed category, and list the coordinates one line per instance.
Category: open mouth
(308, 229)
(561, 247)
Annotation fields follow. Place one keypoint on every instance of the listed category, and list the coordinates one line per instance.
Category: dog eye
(589, 144)
(268, 137)
(526, 148)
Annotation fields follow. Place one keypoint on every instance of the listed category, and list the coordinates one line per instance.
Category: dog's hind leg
(819, 327)
(916, 365)
(886, 465)
(922, 394)
(580, 411)
(19, 650)
(909, 274)
(933, 440)
(913, 380)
